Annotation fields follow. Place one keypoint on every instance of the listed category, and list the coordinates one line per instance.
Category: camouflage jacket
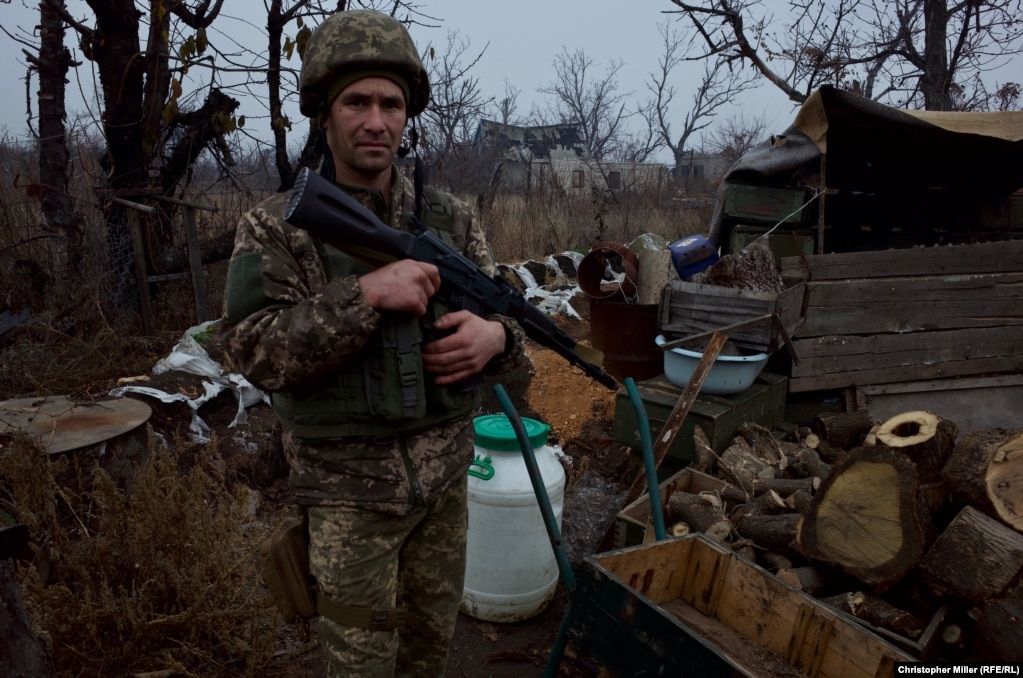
(311, 325)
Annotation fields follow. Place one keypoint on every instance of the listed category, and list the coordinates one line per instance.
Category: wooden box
(767, 205)
(719, 416)
(690, 606)
(785, 244)
(688, 308)
(631, 522)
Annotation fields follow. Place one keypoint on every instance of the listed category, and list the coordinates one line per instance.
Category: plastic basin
(730, 373)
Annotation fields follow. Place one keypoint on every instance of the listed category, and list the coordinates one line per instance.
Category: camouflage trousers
(415, 562)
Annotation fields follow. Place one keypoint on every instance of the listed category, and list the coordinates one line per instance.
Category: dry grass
(158, 578)
(525, 227)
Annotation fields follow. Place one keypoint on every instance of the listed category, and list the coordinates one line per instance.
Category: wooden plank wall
(905, 315)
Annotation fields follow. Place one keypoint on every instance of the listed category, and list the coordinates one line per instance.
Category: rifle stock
(324, 210)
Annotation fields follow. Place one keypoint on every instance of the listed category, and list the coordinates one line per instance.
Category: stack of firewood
(915, 531)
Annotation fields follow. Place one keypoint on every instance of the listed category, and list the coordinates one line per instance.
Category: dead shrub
(159, 579)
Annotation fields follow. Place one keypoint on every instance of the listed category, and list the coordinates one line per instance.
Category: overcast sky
(521, 40)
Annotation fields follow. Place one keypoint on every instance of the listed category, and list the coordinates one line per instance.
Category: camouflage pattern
(354, 555)
(359, 40)
(287, 324)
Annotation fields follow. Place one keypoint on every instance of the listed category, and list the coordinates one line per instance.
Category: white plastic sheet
(189, 356)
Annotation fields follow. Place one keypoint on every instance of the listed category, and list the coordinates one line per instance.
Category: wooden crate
(631, 522)
(690, 606)
(767, 205)
(691, 308)
(719, 416)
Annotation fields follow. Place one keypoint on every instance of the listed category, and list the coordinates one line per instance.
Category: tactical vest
(385, 390)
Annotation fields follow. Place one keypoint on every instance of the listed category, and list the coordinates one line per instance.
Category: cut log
(808, 438)
(706, 458)
(739, 465)
(770, 531)
(878, 612)
(928, 440)
(767, 503)
(812, 580)
(843, 429)
(814, 464)
(786, 486)
(804, 462)
(974, 559)
(985, 471)
(701, 513)
(763, 444)
(867, 518)
(799, 501)
(831, 454)
(752, 268)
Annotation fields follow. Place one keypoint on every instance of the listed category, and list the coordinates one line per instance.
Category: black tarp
(865, 147)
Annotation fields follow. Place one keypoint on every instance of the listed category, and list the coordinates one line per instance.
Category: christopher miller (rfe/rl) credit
(973, 668)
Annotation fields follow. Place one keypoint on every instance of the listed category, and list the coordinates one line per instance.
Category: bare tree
(720, 84)
(456, 102)
(593, 103)
(908, 53)
(51, 63)
(157, 116)
(735, 136)
(506, 107)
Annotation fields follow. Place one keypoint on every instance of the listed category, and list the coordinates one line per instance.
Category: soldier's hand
(405, 286)
(467, 350)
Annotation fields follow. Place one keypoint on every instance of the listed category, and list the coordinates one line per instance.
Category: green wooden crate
(689, 606)
(719, 416)
(781, 243)
(768, 205)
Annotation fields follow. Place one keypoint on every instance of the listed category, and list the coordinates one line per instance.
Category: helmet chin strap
(417, 171)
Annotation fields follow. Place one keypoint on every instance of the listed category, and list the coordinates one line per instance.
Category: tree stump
(867, 518)
(751, 268)
(985, 471)
(928, 440)
(974, 559)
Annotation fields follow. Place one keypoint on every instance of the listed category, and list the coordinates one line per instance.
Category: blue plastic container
(692, 254)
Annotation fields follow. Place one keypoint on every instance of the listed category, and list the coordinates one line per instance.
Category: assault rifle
(318, 206)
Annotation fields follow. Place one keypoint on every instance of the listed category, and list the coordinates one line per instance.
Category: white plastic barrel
(511, 570)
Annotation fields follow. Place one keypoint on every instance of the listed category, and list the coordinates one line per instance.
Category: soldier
(376, 417)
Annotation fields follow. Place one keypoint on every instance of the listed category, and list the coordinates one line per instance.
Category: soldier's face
(364, 127)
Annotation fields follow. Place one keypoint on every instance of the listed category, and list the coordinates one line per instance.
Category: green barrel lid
(495, 432)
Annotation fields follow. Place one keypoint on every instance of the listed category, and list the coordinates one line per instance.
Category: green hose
(567, 578)
(656, 510)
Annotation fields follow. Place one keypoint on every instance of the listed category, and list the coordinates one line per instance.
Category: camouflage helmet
(360, 40)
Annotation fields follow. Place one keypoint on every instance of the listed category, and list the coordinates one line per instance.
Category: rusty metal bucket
(626, 334)
(592, 269)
